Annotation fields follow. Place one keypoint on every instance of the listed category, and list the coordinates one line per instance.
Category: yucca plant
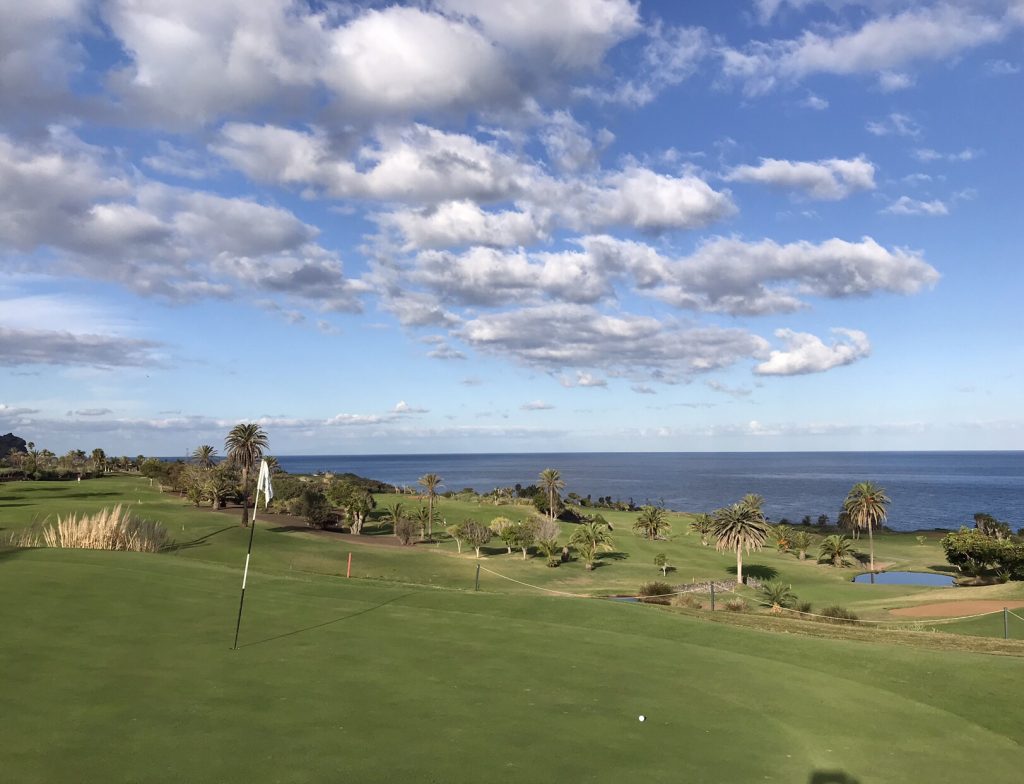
(778, 594)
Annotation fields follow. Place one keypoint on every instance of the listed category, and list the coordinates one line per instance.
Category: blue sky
(468, 226)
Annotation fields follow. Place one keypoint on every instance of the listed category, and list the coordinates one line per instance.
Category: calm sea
(928, 489)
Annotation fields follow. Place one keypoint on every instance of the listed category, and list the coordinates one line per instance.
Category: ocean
(928, 489)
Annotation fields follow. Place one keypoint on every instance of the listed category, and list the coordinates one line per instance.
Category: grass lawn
(119, 669)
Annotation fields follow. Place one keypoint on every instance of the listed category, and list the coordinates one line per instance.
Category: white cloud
(905, 205)
(113, 224)
(897, 124)
(423, 165)
(806, 353)
(583, 379)
(401, 407)
(928, 155)
(1002, 68)
(829, 180)
(884, 43)
(569, 35)
(399, 60)
(578, 336)
(815, 102)
(893, 81)
(463, 222)
(536, 405)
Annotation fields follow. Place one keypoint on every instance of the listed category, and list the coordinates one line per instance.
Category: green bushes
(837, 614)
(736, 605)
(778, 594)
(656, 592)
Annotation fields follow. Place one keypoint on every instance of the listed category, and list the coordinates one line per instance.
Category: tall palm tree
(244, 446)
(551, 482)
(203, 455)
(651, 522)
(99, 460)
(740, 527)
(588, 539)
(430, 483)
(865, 504)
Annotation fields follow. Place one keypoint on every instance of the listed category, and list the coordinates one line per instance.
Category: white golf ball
(642, 717)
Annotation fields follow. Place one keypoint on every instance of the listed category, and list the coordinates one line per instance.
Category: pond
(905, 578)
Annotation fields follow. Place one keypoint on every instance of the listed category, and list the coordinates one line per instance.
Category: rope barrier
(1015, 615)
(696, 589)
(929, 621)
(535, 587)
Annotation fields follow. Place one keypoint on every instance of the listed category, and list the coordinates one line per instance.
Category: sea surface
(928, 489)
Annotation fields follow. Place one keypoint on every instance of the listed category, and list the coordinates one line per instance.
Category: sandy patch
(956, 609)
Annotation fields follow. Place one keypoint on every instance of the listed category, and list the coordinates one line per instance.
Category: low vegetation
(112, 528)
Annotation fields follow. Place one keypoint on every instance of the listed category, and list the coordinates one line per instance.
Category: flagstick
(245, 574)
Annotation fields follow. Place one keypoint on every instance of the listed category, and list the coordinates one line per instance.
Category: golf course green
(119, 668)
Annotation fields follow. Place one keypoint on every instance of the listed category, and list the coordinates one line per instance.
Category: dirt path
(956, 609)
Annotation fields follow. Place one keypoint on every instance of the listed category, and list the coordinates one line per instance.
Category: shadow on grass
(759, 571)
(945, 568)
(325, 623)
(199, 542)
(612, 556)
(832, 777)
(12, 498)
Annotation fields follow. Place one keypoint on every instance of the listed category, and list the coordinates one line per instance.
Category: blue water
(928, 489)
(904, 578)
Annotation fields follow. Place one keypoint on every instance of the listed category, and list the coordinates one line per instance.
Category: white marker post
(263, 483)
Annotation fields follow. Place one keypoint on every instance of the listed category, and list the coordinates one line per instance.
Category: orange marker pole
(348, 571)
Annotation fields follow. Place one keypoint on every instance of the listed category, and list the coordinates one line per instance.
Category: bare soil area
(956, 609)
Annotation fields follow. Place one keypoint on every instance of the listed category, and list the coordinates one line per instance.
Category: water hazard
(905, 578)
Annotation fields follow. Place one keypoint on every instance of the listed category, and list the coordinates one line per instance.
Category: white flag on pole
(263, 483)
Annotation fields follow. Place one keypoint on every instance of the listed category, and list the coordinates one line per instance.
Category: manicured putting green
(117, 668)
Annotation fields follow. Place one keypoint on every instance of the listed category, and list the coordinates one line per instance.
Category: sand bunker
(956, 609)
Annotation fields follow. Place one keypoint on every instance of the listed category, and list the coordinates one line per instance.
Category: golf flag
(263, 483)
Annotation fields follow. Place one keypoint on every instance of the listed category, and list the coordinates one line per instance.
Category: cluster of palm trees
(742, 527)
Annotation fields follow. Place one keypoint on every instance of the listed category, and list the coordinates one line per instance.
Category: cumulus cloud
(815, 102)
(828, 180)
(905, 205)
(579, 336)
(452, 174)
(463, 222)
(583, 379)
(807, 353)
(887, 42)
(109, 223)
(53, 347)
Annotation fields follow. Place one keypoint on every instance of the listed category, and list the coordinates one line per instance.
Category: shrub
(837, 614)
(405, 529)
(656, 593)
(314, 506)
(736, 605)
(804, 607)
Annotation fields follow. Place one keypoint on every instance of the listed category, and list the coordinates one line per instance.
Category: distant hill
(9, 442)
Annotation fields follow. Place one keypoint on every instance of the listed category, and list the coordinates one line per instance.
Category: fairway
(120, 670)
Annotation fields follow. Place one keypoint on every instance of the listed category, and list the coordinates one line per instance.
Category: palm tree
(203, 455)
(551, 482)
(273, 465)
(588, 539)
(244, 446)
(99, 460)
(836, 550)
(394, 515)
(651, 522)
(430, 483)
(865, 505)
(703, 524)
(740, 527)
(802, 542)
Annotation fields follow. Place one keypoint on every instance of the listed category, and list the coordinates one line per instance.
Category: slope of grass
(119, 669)
(216, 537)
